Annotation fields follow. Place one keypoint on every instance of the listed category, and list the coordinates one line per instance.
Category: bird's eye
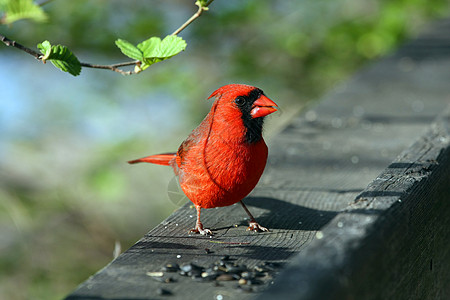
(240, 101)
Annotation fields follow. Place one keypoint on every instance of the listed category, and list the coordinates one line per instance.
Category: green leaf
(152, 50)
(129, 49)
(61, 57)
(171, 45)
(65, 60)
(150, 47)
(45, 47)
(15, 10)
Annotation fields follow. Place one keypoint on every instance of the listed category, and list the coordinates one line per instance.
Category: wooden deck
(356, 194)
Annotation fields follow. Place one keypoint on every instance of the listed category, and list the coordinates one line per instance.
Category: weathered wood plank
(318, 165)
(392, 242)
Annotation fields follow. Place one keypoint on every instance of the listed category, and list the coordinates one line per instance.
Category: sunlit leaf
(150, 47)
(155, 49)
(61, 57)
(45, 47)
(129, 49)
(152, 50)
(170, 46)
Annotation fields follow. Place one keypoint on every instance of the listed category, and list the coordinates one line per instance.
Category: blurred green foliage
(14, 10)
(67, 194)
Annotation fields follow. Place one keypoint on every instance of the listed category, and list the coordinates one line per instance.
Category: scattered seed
(205, 274)
(260, 269)
(171, 268)
(249, 279)
(248, 275)
(235, 269)
(225, 277)
(155, 274)
(190, 267)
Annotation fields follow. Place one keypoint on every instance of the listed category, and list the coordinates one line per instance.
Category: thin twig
(199, 12)
(113, 67)
(15, 44)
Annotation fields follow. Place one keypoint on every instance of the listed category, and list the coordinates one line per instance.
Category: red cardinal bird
(222, 160)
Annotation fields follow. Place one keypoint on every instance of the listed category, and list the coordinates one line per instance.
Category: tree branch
(37, 55)
(15, 44)
(113, 67)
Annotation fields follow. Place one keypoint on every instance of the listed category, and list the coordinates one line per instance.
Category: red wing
(184, 148)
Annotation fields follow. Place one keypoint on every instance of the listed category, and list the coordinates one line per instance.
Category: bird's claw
(202, 231)
(254, 226)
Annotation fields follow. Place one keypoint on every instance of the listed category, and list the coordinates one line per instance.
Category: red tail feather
(158, 159)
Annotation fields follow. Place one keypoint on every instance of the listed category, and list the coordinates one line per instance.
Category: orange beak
(262, 107)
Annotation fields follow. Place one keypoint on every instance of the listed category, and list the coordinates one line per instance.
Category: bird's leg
(199, 226)
(252, 225)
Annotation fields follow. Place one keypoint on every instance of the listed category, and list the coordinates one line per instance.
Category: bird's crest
(239, 89)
